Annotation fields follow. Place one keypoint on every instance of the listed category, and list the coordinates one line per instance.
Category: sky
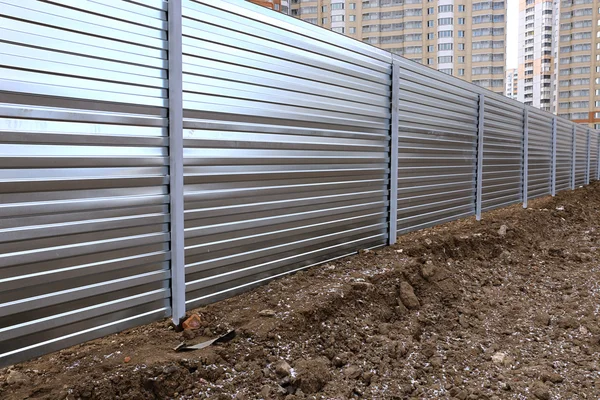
(512, 34)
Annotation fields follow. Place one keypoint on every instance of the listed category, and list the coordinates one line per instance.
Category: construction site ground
(505, 308)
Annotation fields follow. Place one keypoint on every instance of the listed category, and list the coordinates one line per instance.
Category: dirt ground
(503, 309)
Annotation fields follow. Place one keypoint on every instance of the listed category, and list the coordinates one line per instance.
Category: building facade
(577, 76)
(536, 61)
(463, 38)
(512, 80)
(282, 6)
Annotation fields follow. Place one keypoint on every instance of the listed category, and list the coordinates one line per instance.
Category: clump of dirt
(506, 308)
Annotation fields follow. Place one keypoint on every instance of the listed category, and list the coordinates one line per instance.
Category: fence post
(525, 156)
(598, 157)
(554, 156)
(588, 155)
(393, 223)
(176, 160)
(573, 157)
(479, 183)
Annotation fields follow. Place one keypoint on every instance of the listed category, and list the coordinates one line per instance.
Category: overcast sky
(512, 34)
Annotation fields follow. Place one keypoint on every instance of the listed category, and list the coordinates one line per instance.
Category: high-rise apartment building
(512, 80)
(577, 77)
(459, 37)
(536, 21)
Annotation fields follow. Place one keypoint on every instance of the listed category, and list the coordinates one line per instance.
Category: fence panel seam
(525, 156)
(394, 126)
(479, 161)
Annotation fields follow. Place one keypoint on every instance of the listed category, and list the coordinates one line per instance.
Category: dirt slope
(503, 309)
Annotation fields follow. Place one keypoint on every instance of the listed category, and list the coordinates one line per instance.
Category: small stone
(568, 323)
(352, 371)
(188, 334)
(311, 375)
(542, 319)
(267, 313)
(408, 297)
(428, 270)
(16, 378)
(193, 322)
(502, 231)
(560, 208)
(282, 368)
(340, 360)
(436, 362)
(498, 358)
(127, 359)
(551, 377)
(540, 391)
(428, 242)
(462, 395)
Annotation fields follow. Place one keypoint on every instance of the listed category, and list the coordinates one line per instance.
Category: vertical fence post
(176, 160)
(479, 183)
(393, 222)
(554, 120)
(588, 160)
(525, 156)
(573, 157)
(598, 157)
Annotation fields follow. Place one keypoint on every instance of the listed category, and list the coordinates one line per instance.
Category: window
(324, 20)
(461, 33)
(461, 59)
(353, 6)
(446, 71)
(337, 6)
(444, 46)
(461, 8)
(446, 8)
(461, 46)
(430, 11)
(461, 72)
(430, 49)
(430, 24)
(445, 34)
(324, 9)
(430, 61)
(352, 30)
(337, 18)
(445, 21)
(430, 36)
(444, 59)
(461, 21)
(352, 18)
(338, 30)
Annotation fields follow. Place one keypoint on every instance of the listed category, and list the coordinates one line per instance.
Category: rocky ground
(503, 309)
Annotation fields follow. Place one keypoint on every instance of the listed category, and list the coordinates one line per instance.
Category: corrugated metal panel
(286, 130)
(564, 154)
(502, 152)
(581, 135)
(540, 153)
(437, 144)
(594, 152)
(83, 179)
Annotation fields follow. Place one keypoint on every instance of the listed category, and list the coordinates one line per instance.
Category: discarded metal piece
(221, 339)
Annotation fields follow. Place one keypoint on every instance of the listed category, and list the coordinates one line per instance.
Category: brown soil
(459, 311)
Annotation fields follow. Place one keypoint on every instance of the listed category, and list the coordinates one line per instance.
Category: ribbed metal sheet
(502, 152)
(581, 135)
(286, 130)
(564, 154)
(83, 179)
(437, 142)
(594, 154)
(540, 153)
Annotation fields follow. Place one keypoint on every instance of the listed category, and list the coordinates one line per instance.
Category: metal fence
(156, 156)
